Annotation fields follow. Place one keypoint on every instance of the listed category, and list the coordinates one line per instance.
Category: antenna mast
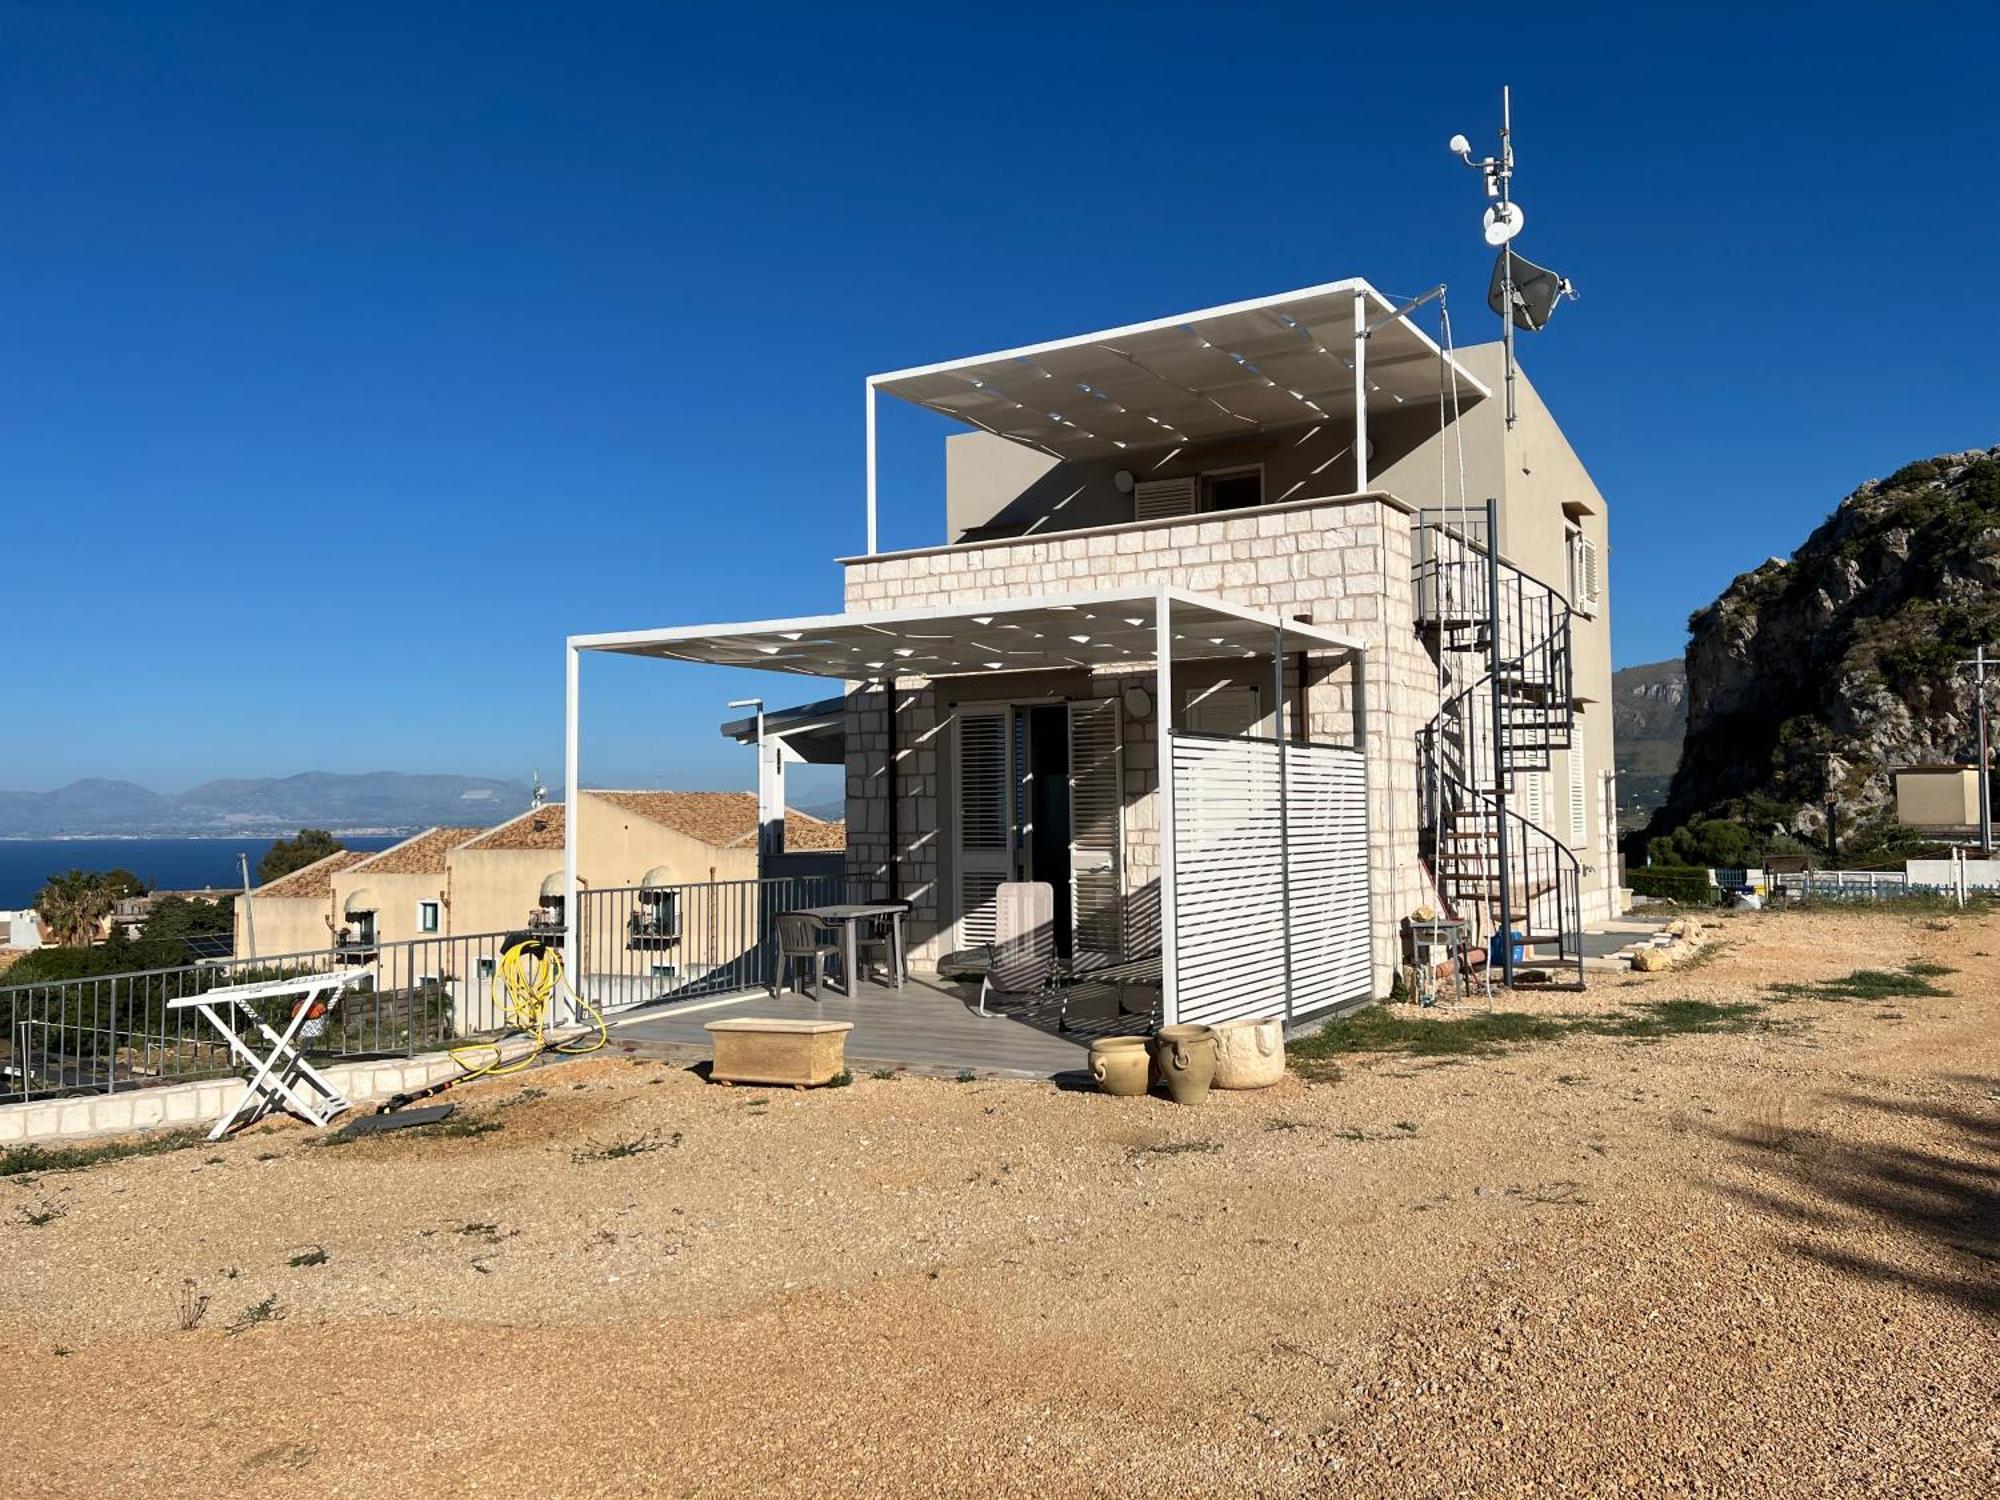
(1522, 293)
(1504, 186)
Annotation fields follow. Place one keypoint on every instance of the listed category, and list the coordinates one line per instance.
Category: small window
(428, 913)
(666, 971)
(1237, 490)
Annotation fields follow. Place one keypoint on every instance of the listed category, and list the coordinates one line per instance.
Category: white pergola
(1111, 629)
(1341, 349)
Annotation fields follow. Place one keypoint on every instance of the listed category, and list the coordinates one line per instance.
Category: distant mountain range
(384, 801)
(1649, 719)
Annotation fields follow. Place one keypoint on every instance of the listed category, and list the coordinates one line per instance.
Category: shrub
(1687, 884)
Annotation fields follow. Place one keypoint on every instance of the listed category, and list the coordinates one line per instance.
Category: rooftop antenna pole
(1503, 221)
(1505, 177)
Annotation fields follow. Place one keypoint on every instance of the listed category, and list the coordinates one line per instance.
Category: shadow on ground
(1943, 1197)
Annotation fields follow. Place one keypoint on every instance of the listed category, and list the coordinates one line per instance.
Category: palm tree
(74, 905)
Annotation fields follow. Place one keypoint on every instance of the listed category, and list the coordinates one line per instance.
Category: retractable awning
(1102, 630)
(1270, 362)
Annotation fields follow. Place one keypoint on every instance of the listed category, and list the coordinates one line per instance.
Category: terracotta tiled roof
(804, 832)
(537, 828)
(313, 882)
(422, 855)
(724, 819)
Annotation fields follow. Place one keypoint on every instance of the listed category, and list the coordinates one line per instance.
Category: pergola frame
(1208, 629)
(1342, 349)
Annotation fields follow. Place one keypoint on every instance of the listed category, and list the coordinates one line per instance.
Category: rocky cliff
(1821, 671)
(1648, 718)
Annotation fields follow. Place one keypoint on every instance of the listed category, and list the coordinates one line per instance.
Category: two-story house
(1253, 631)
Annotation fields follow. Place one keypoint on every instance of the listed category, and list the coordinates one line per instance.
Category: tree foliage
(74, 905)
(287, 855)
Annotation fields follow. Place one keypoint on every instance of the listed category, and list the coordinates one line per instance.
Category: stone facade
(1342, 564)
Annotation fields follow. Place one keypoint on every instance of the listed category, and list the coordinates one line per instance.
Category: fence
(639, 945)
(645, 944)
(1850, 885)
(116, 1031)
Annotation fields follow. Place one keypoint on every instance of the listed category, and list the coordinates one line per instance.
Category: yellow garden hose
(526, 983)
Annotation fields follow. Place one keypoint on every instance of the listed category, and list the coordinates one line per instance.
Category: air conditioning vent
(1157, 498)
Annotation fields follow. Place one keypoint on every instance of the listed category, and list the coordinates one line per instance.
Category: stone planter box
(794, 1054)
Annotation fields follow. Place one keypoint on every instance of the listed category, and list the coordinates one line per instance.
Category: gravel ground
(1758, 1262)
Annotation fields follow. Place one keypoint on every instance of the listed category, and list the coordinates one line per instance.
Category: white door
(984, 846)
(1096, 824)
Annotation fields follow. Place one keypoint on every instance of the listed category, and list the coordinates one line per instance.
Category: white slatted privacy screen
(1249, 833)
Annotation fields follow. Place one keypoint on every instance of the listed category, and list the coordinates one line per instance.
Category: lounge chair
(1023, 968)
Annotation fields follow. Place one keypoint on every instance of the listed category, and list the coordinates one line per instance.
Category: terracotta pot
(1185, 1056)
(1249, 1054)
(1121, 1065)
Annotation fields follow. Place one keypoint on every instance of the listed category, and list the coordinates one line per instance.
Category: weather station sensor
(1522, 293)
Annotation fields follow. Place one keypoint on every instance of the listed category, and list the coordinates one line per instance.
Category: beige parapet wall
(187, 1105)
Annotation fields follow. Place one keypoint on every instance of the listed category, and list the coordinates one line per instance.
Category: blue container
(1493, 951)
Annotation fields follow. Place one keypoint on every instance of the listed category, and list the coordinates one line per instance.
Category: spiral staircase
(1501, 638)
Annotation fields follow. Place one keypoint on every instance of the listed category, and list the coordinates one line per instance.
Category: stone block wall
(1341, 564)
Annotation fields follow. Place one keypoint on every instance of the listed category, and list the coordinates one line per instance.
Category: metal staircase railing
(1503, 641)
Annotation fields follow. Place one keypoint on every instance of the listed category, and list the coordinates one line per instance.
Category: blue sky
(354, 354)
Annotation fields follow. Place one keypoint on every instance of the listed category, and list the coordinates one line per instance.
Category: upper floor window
(1233, 489)
(428, 915)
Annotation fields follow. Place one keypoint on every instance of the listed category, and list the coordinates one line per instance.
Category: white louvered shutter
(1578, 812)
(1097, 822)
(1531, 796)
(985, 846)
(1164, 497)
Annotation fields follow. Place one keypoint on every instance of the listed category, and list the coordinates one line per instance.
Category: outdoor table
(848, 917)
(282, 1076)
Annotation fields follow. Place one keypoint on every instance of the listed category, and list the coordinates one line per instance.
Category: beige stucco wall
(494, 890)
(1343, 564)
(285, 924)
(1937, 799)
(395, 900)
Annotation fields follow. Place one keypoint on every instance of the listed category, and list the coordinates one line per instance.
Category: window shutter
(1577, 809)
(1592, 584)
(1156, 498)
(985, 821)
(1096, 810)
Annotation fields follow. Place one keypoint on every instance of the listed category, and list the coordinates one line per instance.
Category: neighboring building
(1369, 705)
(401, 894)
(1943, 799)
(20, 931)
(294, 913)
(511, 876)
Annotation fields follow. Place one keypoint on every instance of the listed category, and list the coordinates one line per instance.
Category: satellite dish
(1537, 289)
(1503, 221)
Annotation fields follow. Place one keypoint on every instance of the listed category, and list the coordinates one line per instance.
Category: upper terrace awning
(1270, 362)
(1104, 629)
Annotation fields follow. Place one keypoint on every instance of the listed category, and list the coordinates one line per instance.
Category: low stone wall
(183, 1105)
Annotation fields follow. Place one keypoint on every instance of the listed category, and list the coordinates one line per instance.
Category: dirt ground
(1764, 1261)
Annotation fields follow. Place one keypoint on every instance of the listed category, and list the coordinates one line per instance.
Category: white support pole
(1360, 393)
(871, 467)
(572, 915)
(1163, 708)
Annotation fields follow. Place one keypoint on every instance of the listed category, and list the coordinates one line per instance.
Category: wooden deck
(927, 1024)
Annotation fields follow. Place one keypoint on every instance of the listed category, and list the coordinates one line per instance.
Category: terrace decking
(927, 1024)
